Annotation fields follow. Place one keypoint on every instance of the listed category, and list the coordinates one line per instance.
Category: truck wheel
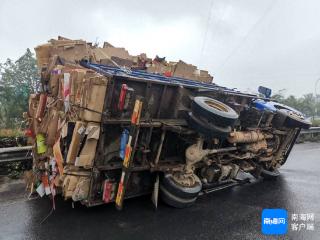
(207, 129)
(214, 111)
(175, 201)
(289, 117)
(178, 190)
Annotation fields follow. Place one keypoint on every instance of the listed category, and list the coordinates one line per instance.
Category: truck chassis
(190, 137)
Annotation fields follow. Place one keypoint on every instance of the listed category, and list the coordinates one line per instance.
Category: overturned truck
(104, 131)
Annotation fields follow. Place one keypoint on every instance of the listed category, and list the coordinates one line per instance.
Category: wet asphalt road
(231, 214)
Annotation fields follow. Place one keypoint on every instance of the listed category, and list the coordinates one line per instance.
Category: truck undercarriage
(191, 147)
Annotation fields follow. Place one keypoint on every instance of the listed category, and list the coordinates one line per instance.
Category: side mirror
(265, 91)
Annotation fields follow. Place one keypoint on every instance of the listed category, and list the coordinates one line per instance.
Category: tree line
(307, 104)
(18, 79)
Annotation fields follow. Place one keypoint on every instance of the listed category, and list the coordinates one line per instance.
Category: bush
(316, 123)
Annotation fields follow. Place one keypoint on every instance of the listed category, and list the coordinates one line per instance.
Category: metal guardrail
(15, 154)
(310, 130)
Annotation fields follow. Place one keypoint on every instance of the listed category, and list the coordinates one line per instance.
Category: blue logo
(274, 221)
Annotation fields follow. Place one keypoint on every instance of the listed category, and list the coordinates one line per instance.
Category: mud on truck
(114, 127)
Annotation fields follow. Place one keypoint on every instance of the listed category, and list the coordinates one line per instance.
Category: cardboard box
(43, 125)
(93, 96)
(81, 190)
(52, 126)
(75, 142)
(54, 80)
(35, 126)
(184, 70)
(71, 50)
(43, 53)
(41, 106)
(160, 68)
(116, 61)
(69, 185)
(76, 81)
(33, 104)
(109, 51)
(189, 71)
(88, 151)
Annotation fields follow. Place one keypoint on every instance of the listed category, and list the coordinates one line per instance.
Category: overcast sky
(243, 43)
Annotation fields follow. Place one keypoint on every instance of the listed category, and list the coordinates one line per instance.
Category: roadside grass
(11, 133)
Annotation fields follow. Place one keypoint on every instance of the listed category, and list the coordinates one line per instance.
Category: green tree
(292, 101)
(17, 81)
(307, 104)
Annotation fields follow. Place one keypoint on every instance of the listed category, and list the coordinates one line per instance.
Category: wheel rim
(216, 105)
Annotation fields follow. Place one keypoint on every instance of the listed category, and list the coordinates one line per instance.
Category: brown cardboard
(108, 51)
(43, 54)
(52, 127)
(43, 125)
(160, 68)
(58, 156)
(116, 61)
(71, 50)
(33, 104)
(189, 71)
(60, 89)
(54, 80)
(184, 70)
(81, 190)
(76, 81)
(41, 106)
(69, 185)
(75, 142)
(58, 181)
(94, 91)
(89, 149)
(35, 126)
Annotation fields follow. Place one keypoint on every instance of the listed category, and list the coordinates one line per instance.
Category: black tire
(214, 111)
(270, 175)
(289, 117)
(180, 191)
(207, 129)
(175, 201)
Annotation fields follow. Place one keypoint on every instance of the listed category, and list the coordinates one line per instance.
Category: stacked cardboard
(110, 51)
(189, 71)
(76, 50)
(65, 117)
(66, 49)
